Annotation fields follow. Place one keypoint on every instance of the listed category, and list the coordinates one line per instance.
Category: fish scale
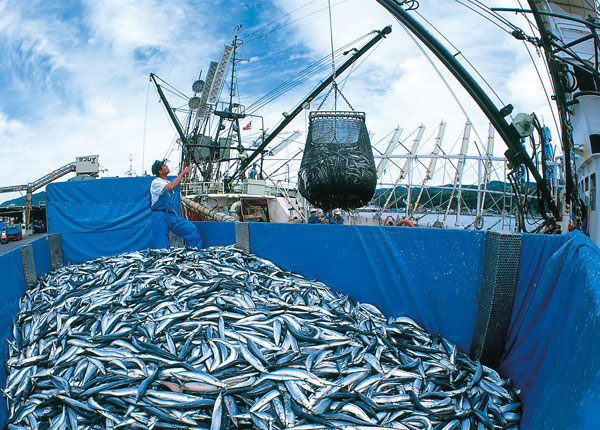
(217, 338)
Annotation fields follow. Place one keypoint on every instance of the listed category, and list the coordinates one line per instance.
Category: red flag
(247, 126)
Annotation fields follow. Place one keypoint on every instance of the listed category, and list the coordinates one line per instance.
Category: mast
(393, 143)
(432, 164)
(579, 8)
(407, 169)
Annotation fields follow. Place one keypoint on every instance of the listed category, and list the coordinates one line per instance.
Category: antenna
(130, 172)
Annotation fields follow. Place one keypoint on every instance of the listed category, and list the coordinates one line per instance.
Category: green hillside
(36, 199)
(500, 196)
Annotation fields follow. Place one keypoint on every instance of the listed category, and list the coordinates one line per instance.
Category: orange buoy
(405, 223)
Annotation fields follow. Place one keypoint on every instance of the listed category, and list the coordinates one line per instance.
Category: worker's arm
(171, 185)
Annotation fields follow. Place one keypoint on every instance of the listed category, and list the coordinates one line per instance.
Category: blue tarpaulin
(553, 347)
(216, 233)
(99, 217)
(433, 276)
(403, 271)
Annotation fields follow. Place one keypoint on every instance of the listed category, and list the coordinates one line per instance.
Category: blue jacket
(337, 220)
(313, 219)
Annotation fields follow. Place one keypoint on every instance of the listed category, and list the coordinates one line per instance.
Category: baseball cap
(157, 166)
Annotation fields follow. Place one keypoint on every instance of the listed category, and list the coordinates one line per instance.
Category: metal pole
(174, 119)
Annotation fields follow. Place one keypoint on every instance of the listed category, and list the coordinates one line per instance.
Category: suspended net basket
(337, 169)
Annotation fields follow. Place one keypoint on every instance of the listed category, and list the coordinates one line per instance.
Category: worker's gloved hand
(186, 170)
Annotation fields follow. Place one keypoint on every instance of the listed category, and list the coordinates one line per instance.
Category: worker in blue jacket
(162, 204)
(337, 217)
(313, 218)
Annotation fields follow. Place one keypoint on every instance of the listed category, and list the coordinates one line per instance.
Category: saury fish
(217, 338)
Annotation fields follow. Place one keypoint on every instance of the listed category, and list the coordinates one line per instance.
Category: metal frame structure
(516, 153)
(37, 184)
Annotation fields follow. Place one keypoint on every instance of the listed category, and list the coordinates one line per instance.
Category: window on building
(595, 143)
(587, 183)
(593, 192)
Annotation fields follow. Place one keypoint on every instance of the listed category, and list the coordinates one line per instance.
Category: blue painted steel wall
(100, 217)
(12, 287)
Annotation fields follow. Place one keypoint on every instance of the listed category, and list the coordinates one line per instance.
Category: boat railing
(248, 186)
(200, 187)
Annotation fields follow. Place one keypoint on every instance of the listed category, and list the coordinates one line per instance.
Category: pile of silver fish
(216, 339)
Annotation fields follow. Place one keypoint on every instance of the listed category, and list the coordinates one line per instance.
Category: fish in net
(337, 169)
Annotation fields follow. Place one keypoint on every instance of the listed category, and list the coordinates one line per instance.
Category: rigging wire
(495, 15)
(473, 8)
(294, 21)
(331, 39)
(357, 65)
(458, 52)
(288, 85)
(548, 98)
(301, 77)
(170, 88)
(428, 57)
(256, 32)
(145, 122)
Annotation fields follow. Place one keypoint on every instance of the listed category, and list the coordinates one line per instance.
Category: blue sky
(74, 74)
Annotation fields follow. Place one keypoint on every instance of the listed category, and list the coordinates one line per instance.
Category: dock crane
(32, 187)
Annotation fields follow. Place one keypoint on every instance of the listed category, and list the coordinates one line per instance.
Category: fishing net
(337, 169)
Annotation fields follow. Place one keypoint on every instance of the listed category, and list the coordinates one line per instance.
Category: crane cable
(255, 34)
(302, 76)
(333, 83)
(446, 83)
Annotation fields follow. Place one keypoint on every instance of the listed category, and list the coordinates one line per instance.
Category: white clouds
(128, 24)
(81, 78)
(13, 130)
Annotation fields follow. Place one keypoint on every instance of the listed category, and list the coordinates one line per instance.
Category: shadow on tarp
(434, 276)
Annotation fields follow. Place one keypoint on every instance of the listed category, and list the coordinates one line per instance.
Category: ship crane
(288, 117)
(516, 153)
